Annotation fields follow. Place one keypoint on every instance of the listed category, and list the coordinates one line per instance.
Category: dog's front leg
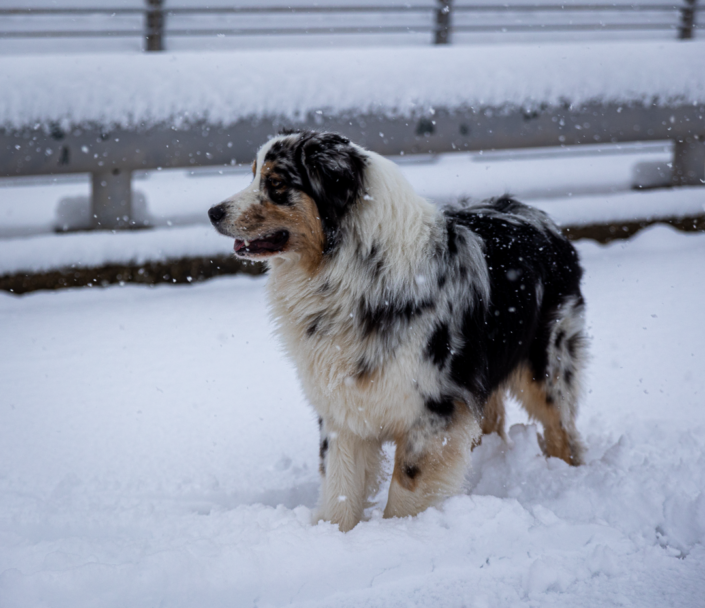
(430, 461)
(347, 463)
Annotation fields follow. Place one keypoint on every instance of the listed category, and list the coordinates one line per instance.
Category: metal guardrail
(441, 20)
(112, 156)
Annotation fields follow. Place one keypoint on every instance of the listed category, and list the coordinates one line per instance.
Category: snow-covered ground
(156, 450)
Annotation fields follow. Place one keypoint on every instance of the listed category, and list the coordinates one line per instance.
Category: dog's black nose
(216, 213)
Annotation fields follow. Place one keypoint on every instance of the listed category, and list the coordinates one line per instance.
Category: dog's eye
(275, 183)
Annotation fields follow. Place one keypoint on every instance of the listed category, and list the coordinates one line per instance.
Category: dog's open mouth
(271, 243)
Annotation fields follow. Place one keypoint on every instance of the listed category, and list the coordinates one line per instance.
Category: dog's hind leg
(431, 460)
(552, 398)
(560, 437)
(349, 472)
(493, 414)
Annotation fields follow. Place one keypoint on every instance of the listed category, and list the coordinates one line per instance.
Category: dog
(408, 323)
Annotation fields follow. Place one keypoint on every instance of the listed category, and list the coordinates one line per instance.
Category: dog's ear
(335, 171)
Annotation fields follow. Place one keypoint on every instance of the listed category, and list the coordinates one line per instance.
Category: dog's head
(304, 185)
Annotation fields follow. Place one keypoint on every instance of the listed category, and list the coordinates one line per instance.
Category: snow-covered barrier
(109, 115)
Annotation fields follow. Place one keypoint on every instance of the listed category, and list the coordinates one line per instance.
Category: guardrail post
(111, 199)
(685, 31)
(443, 19)
(154, 25)
(689, 162)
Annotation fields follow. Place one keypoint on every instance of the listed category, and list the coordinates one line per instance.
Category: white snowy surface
(95, 249)
(47, 252)
(179, 88)
(155, 450)
(626, 206)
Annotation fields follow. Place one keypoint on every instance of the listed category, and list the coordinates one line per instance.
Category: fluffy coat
(406, 322)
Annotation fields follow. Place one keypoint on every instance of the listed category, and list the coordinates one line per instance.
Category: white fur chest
(322, 336)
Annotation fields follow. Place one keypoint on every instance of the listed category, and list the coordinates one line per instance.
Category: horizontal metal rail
(494, 8)
(568, 27)
(214, 10)
(92, 148)
(111, 155)
(75, 34)
(382, 29)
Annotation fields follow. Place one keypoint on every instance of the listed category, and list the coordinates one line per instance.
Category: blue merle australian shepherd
(406, 322)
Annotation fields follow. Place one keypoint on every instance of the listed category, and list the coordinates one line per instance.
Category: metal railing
(116, 153)
(112, 156)
(439, 18)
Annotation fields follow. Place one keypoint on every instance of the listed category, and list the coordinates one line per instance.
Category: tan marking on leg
(532, 394)
(421, 479)
(400, 474)
(366, 379)
(493, 414)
